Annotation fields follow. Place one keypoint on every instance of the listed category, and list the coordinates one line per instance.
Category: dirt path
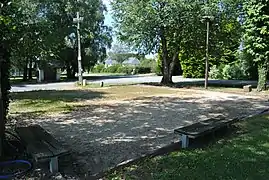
(105, 133)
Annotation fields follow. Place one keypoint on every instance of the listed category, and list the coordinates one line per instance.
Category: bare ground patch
(128, 122)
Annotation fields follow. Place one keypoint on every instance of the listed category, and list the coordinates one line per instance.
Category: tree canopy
(256, 37)
(174, 28)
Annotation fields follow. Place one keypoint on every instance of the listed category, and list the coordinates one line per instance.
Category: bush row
(233, 71)
(100, 68)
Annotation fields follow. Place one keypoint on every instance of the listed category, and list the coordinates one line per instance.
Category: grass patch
(243, 157)
(49, 101)
(53, 101)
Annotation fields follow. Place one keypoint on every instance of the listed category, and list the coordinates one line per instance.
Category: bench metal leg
(54, 165)
(184, 141)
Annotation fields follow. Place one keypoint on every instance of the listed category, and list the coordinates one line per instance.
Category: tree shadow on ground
(211, 83)
(57, 95)
(243, 157)
(102, 136)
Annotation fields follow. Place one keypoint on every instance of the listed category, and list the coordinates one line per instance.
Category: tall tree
(154, 25)
(256, 37)
(7, 25)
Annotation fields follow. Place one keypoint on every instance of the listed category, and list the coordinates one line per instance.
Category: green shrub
(157, 68)
(99, 68)
(193, 68)
(233, 71)
(216, 72)
(112, 69)
(142, 70)
(125, 69)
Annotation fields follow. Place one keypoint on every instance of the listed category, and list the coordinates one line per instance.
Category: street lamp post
(77, 20)
(207, 19)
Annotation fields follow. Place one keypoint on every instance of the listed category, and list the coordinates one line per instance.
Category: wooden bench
(201, 128)
(41, 145)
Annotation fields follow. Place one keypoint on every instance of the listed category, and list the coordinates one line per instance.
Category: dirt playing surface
(103, 133)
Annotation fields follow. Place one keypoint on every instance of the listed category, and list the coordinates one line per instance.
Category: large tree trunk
(263, 71)
(167, 76)
(172, 65)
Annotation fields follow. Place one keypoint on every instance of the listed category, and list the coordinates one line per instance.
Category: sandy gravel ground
(104, 133)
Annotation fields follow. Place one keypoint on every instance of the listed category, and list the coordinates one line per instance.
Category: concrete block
(247, 88)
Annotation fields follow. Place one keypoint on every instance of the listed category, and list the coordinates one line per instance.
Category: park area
(104, 127)
(131, 89)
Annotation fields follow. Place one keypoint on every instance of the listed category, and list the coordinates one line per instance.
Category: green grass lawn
(243, 157)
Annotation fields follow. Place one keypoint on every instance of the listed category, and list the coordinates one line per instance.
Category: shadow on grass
(36, 103)
(211, 83)
(20, 83)
(244, 156)
(57, 95)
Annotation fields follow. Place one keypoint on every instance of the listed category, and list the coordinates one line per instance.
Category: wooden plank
(34, 146)
(54, 146)
(204, 127)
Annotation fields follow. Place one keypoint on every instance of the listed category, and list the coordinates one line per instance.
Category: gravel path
(104, 134)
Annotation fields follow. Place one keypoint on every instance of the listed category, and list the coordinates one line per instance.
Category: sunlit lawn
(243, 157)
(53, 101)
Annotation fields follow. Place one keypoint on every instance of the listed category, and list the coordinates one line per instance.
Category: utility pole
(207, 54)
(207, 19)
(77, 20)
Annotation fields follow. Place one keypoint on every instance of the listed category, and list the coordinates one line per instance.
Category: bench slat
(203, 127)
(39, 143)
(33, 144)
(54, 146)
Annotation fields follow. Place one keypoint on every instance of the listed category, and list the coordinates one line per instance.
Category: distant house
(132, 61)
(49, 71)
(110, 62)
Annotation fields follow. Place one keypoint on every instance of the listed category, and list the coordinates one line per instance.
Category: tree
(224, 40)
(256, 37)
(153, 26)
(45, 26)
(6, 27)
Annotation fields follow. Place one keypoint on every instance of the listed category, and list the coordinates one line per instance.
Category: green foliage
(7, 26)
(52, 35)
(160, 29)
(118, 68)
(98, 68)
(256, 37)
(248, 66)
(216, 72)
(142, 70)
(112, 69)
(125, 70)
(233, 71)
(193, 68)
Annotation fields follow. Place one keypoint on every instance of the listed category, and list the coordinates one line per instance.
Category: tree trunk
(30, 71)
(25, 73)
(263, 71)
(172, 65)
(69, 72)
(2, 121)
(167, 76)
